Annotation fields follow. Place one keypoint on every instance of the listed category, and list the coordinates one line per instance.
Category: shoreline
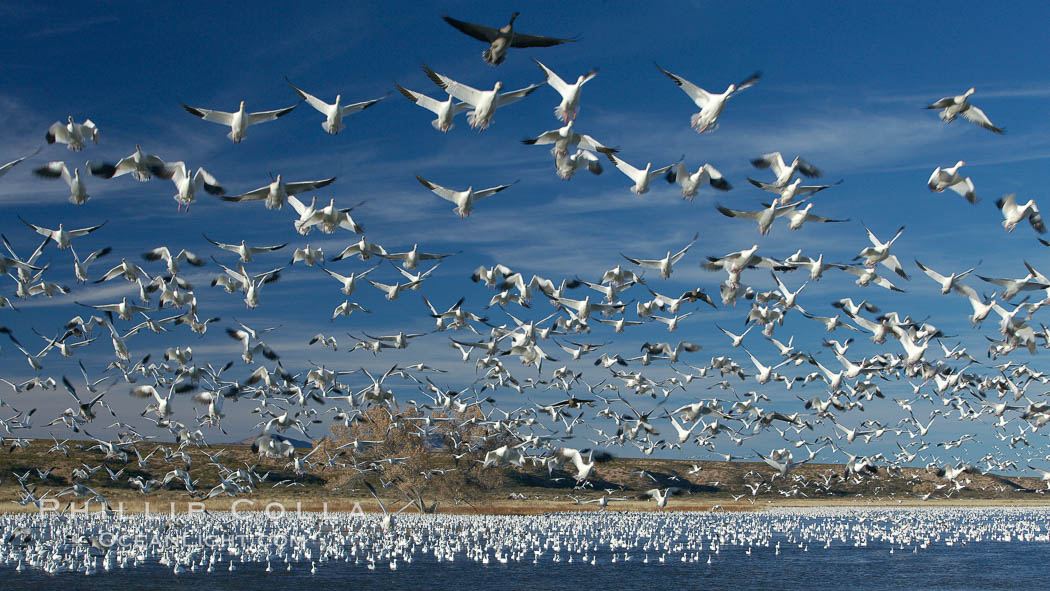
(368, 506)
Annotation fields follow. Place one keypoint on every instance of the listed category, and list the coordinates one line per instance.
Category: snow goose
(764, 217)
(641, 177)
(251, 285)
(797, 217)
(61, 236)
(4, 169)
(665, 264)
(1012, 287)
(124, 309)
(186, 184)
(78, 194)
(949, 178)
(953, 106)
(128, 270)
(1013, 214)
(501, 39)
(392, 291)
(485, 102)
(790, 191)
(867, 275)
(238, 121)
(711, 105)
(362, 248)
(463, 200)
(348, 282)
(570, 93)
(564, 137)
(784, 172)
(309, 256)
(140, 165)
(80, 267)
(72, 134)
(334, 112)
(410, 259)
(244, 251)
(567, 166)
(445, 110)
(162, 253)
(661, 497)
(736, 339)
(948, 283)
(277, 192)
(879, 252)
(706, 174)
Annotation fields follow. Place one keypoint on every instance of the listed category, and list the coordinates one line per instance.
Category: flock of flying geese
(927, 378)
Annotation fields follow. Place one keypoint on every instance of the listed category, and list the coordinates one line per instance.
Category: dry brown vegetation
(467, 487)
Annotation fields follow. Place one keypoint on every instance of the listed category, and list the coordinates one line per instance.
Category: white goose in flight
(278, 191)
(410, 259)
(953, 106)
(349, 282)
(72, 134)
(186, 184)
(484, 102)
(879, 252)
(948, 283)
(78, 194)
(445, 110)
(797, 217)
(564, 137)
(706, 174)
(334, 112)
(949, 178)
(244, 251)
(665, 264)
(61, 236)
(711, 105)
(240, 120)
(1014, 214)
(140, 165)
(567, 166)
(570, 93)
(784, 172)
(764, 217)
(463, 200)
(4, 169)
(641, 177)
(789, 192)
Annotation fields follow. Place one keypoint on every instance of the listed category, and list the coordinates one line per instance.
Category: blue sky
(843, 85)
